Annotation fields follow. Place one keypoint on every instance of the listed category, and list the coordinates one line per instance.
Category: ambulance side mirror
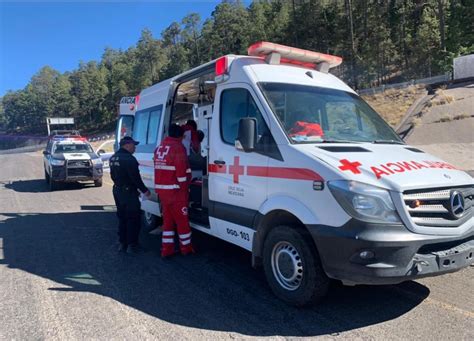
(247, 134)
(100, 151)
(45, 152)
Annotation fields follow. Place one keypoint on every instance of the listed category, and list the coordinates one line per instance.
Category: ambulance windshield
(314, 115)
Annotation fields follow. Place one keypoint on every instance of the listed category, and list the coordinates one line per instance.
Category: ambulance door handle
(219, 162)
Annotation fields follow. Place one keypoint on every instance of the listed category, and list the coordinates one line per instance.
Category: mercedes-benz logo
(456, 204)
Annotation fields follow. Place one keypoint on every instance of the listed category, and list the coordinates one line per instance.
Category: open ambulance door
(127, 110)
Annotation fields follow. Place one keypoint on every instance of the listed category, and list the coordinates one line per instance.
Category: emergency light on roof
(276, 54)
(221, 66)
(68, 138)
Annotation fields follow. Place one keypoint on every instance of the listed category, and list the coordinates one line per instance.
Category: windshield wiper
(337, 141)
(388, 142)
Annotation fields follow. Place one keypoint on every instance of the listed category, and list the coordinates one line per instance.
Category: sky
(62, 33)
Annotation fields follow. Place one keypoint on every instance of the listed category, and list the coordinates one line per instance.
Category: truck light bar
(276, 54)
(68, 138)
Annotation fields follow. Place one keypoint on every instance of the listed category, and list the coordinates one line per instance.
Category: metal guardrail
(27, 149)
(102, 137)
(383, 88)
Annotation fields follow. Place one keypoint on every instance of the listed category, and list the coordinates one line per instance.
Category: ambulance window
(236, 104)
(141, 126)
(125, 126)
(155, 116)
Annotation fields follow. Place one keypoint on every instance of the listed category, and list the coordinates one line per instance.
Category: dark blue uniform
(127, 182)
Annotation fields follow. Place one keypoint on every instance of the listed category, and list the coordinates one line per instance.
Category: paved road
(61, 278)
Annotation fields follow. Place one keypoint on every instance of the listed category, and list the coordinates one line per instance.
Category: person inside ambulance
(172, 180)
(191, 138)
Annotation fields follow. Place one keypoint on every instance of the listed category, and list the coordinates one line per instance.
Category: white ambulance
(301, 172)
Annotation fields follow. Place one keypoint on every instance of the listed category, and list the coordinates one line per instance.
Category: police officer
(127, 182)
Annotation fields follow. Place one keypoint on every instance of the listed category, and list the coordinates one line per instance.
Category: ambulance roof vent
(345, 149)
(275, 54)
(415, 150)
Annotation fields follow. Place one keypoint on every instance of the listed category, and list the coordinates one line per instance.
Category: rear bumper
(61, 174)
(392, 253)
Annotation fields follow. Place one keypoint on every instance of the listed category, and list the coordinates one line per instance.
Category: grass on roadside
(394, 103)
(440, 98)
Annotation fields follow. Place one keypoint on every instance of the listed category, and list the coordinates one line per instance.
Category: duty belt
(126, 188)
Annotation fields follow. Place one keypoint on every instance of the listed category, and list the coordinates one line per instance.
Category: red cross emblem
(346, 165)
(236, 169)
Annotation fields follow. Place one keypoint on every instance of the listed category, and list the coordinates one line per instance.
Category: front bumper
(62, 174)
(398, 254)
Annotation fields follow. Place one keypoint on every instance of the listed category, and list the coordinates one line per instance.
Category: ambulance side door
(237, 185)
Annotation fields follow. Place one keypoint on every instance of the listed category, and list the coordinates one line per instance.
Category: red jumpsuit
(172, 179)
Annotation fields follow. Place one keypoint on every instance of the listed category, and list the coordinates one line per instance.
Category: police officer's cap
(128, 139)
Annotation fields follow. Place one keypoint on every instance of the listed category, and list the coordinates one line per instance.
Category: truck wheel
(293, 268)
(98, 183)
(52, 185)
(150, 221)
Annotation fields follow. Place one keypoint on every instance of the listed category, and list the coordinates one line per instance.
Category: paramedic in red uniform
(172, 179)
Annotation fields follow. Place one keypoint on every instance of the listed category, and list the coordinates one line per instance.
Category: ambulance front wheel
(293, 268)
(150, 221)
(98, 183)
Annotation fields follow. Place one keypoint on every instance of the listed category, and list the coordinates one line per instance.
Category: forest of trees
(381, 41)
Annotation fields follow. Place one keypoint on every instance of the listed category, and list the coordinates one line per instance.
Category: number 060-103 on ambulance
(296, 168)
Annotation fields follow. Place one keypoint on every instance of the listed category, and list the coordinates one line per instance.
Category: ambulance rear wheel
(293, 268)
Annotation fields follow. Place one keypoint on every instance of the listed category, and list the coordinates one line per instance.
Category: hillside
(394, 103)
(445, 127)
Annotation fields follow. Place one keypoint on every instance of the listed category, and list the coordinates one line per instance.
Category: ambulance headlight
(365, 202)
(56, 162)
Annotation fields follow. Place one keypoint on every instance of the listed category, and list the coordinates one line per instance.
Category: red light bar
(221, 66)
(293, 55)
(137, 99)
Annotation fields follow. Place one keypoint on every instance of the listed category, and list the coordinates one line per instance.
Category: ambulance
(305, 175)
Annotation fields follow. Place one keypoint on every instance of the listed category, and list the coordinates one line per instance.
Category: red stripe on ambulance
(284, 173)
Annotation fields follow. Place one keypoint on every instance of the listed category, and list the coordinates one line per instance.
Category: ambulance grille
(432, 207)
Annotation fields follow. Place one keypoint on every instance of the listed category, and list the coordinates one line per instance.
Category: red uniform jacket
(172, 171)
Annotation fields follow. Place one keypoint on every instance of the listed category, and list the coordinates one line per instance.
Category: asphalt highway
(62, 278)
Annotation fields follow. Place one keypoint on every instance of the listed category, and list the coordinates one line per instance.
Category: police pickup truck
(70, 158)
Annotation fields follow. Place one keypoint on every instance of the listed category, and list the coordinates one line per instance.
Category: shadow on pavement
(216, 289)
(40, 186)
